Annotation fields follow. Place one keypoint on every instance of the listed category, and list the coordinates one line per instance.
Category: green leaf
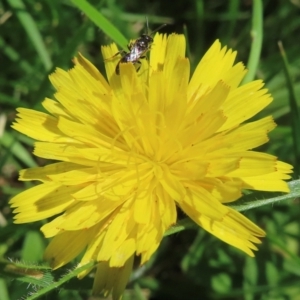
(192, 257)
(55, 284)
(30, 273)
(284, 248)
(138, 292)
(272, 273)
(222, 282)
(3, 290)
(251, 272)
(41, 277)
(33, 246)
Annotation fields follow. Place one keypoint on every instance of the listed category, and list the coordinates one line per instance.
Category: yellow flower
(134, 147)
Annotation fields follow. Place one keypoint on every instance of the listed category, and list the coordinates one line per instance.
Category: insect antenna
(157, 29)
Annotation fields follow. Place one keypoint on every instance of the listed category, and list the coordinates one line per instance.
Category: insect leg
(130, 46)
(139, 64)
(122, 52)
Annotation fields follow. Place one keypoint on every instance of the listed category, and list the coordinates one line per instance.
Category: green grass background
(37, 36)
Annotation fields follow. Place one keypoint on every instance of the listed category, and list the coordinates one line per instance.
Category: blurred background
(38, 36)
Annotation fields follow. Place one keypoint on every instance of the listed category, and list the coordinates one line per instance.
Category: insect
(137, 49)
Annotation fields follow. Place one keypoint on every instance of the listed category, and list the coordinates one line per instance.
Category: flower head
(133, 148)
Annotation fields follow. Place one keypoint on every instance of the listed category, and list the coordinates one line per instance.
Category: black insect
(137, 50)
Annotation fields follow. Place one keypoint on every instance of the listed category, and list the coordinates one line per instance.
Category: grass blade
(233, 11)
(32, 31)
(14, 147)
(257, 38)
(104, 24)
(295, 115)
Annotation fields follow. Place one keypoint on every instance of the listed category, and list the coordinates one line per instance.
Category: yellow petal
(66, 246)
(112, 58)
(42, 173)
(64, 152)
(233, 228)
(200, 201)
(88, 66)
(55, 108)
(39, 126)
(215, 65)
(254, 164)
(123, 253)
(272, 182)
(76, 177)
(158, 52)
(167, 207)
(244, 102)
(175, 51)
(112, 280)
(84, 215)
(42, 201)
